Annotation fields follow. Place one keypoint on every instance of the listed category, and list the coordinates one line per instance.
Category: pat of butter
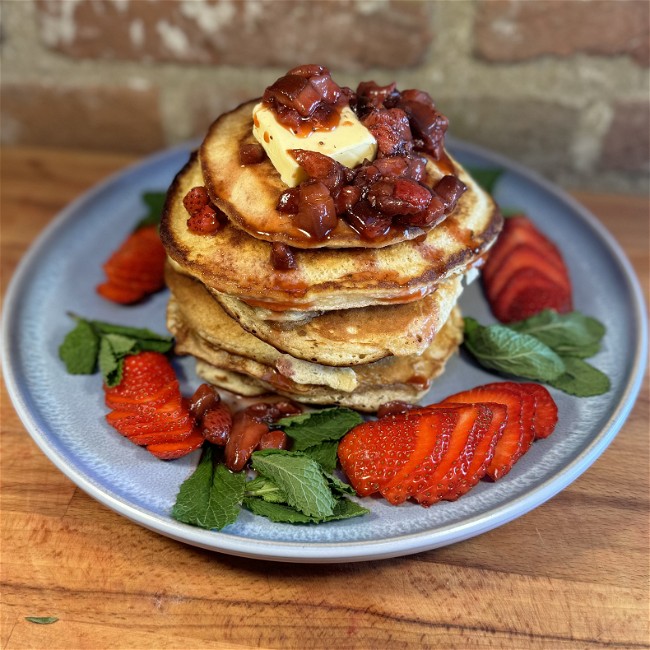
(350, 143)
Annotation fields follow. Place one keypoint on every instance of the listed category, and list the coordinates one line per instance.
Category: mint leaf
(500, 348)
(277, 512)
(300, 479)
(324, 454)
(266, 489)
(155, 202)
(510, 212)
(570, 334)
(337, 486)
(346, 509)
(41, 620)
(120, 345)
(309, 429)
(581, 379)
(110, 365)
(79, 349)
(211, 497)
(226, 497)
(486, 178)
(93, 343)
(194, 492)
(139, 333)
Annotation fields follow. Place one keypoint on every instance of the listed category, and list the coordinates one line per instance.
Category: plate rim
(328, 552)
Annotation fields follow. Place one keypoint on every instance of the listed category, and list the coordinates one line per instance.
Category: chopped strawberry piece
(136, 268)
(179, 448)
(518, 434)
(433, 442)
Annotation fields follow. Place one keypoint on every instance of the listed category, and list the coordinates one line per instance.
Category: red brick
(105, 118)
(516, 30)
(627, 143)
(337, 33)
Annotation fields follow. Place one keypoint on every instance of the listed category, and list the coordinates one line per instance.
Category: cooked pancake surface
(354, 336)
(234, 263)
(249, 194)
(403, 378)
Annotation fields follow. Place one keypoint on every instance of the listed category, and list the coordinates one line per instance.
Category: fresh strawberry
(373, 452)
(179, 448)
(527, 293)
(518, 434)
(136, 268)
(545, 413)
(149, 409)
(525, 273)
(483, 453)
(433, 442)
(518, 231)
(525, 256)
(437, 476)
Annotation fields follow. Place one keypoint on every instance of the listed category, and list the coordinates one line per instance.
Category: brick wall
(560, 85)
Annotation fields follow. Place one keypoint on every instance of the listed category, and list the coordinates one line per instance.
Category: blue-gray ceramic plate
(65, 413)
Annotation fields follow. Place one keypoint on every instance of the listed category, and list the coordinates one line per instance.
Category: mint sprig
(299, 478)
(155, 202)
(311, 429)
(96, 343)
(212, 496)
(547, 347)
(501, 348)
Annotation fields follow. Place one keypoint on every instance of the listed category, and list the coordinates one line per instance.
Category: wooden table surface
(572, 573)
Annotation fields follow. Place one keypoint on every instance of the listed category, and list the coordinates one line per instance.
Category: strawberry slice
(517, 231)
(434, 480)
(525, 256)
(136, 268)
(525, 273)
(545, 411)
(373, 452)
(526, 293)
(518, 434)
(178, 448)
(149, 409)
(432, 445)
(483, 453)
(158, 437)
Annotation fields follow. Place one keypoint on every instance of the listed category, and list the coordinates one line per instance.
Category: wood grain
(571, 574)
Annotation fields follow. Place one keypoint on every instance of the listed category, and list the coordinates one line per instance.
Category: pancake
(205, 318)
(394, 378)
(354, 336)
(249, 194)
(234, 263)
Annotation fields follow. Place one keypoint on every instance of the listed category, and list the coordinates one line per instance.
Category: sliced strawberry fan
(439, 452)
(148, 409)
(525, 273)
(136, 269)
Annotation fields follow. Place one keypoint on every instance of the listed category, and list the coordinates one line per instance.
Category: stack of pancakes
(357, 323)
